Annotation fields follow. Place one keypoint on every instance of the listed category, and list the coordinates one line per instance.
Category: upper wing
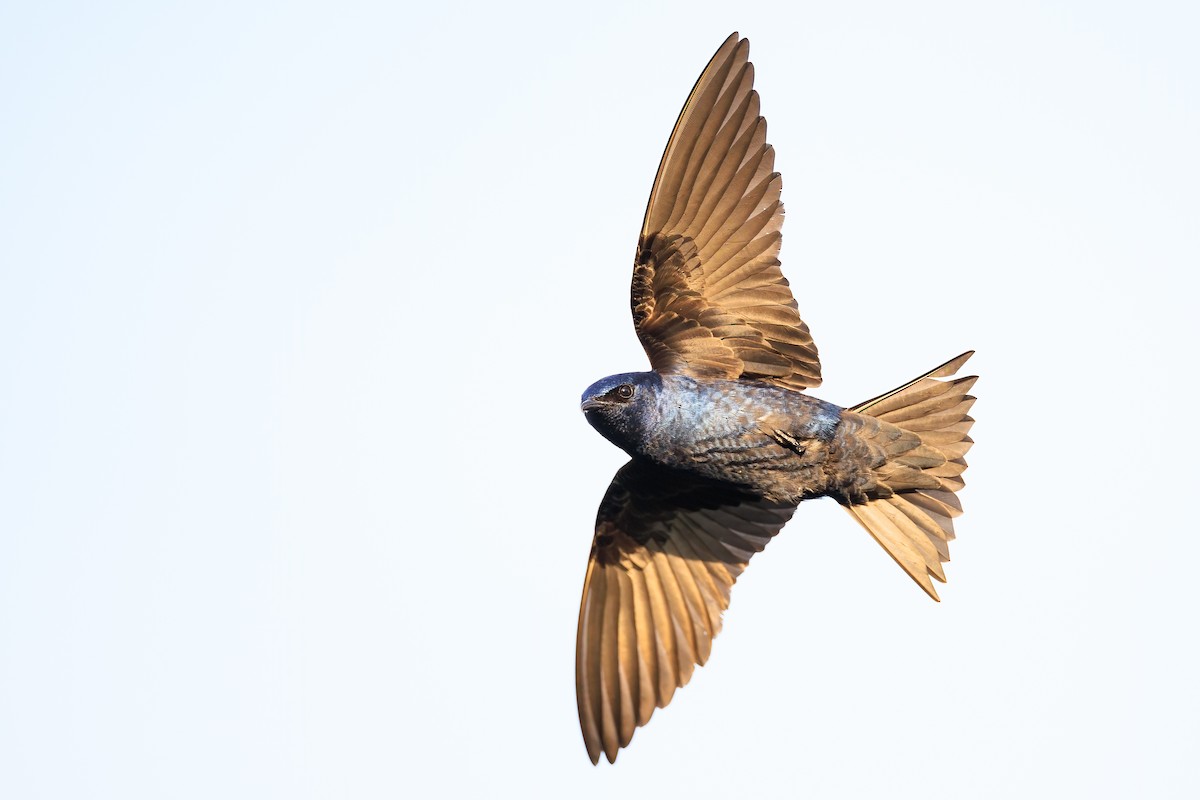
(667, 550)
(708, 297)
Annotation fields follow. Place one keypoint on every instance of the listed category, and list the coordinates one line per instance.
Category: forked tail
(919, 432)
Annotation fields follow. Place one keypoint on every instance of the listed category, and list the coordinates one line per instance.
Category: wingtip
(732, 41)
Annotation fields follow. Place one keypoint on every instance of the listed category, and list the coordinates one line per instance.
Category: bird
(724, 443)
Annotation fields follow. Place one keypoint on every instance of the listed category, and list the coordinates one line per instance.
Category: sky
(296, 304)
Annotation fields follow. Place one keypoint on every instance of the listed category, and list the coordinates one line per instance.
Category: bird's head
(624, 408)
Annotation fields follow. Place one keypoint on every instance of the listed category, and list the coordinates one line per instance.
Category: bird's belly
(757, 463)
(773, 442)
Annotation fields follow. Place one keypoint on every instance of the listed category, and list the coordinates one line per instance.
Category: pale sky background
(296, 304)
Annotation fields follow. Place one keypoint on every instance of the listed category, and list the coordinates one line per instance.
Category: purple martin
(724, 444)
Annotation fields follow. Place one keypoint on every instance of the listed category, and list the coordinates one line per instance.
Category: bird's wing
(708, 297)
(667, 550)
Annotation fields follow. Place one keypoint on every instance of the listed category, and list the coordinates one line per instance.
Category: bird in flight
(724, 444)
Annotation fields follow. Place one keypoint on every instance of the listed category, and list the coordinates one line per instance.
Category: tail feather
(881, 405)
(921, 430)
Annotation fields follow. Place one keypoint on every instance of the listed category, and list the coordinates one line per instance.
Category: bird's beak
(589, 404)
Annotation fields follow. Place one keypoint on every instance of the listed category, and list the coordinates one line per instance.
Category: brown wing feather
(667, 551)
(708, 297)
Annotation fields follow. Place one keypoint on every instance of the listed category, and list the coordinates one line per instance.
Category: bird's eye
(624, 391)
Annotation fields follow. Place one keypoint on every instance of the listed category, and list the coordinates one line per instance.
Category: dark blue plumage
(770, 440)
